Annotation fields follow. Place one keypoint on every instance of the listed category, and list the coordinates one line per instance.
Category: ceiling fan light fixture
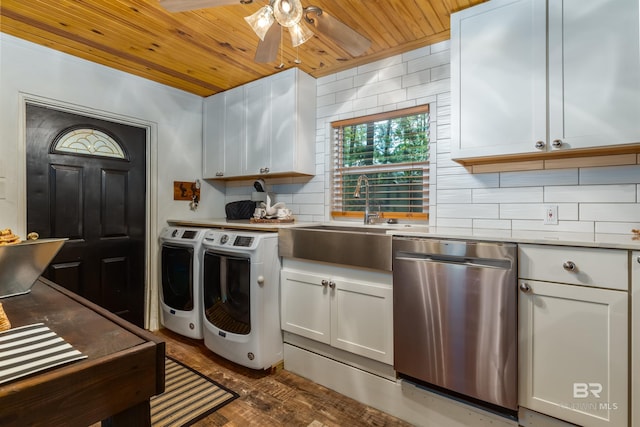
(261, 21)
(287, 12)
(299, 34)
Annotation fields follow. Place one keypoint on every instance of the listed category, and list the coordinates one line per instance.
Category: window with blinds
(392, 151)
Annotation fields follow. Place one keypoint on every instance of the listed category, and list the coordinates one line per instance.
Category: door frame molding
(151, 317)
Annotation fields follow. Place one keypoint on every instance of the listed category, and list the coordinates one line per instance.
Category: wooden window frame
(336, 170)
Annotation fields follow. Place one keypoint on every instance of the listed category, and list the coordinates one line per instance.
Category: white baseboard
(395, 397)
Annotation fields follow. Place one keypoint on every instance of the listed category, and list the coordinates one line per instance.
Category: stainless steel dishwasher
(455, 318)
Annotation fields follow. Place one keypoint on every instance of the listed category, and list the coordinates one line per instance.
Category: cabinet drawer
(602, 268)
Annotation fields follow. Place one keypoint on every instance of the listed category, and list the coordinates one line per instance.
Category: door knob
(540, 145)
(569, 266)
(557, 143)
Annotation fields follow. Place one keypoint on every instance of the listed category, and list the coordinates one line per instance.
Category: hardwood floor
(271, 399)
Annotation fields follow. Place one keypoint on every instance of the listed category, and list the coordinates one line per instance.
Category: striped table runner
(32, 348)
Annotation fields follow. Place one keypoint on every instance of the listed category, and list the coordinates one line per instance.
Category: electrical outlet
(551, 214)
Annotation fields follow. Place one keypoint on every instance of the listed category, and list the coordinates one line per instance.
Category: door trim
(151, 309)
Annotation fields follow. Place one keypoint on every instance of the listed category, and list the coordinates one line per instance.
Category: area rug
(188, 396)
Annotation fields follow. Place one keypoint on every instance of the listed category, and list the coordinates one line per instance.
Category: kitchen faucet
(369, 218)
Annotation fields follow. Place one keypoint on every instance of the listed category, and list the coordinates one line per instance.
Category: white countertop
(240, 224)
(596, 240)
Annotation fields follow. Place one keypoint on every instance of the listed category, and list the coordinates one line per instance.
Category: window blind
(392, 151)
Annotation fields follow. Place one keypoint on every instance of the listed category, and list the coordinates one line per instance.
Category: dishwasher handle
(504, 264)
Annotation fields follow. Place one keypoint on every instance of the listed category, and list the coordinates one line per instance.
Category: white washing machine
(241, 287)
(181, 285)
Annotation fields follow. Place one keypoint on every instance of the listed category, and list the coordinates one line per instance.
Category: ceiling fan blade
(182, 5)
(345, 36)
(268, 48)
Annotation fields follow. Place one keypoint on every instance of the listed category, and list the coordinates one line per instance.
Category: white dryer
(181, 286)
(241, 286)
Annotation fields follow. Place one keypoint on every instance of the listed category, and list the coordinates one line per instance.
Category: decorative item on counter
(242, 209)
(8, 238)
(5, 324)
(279, 214)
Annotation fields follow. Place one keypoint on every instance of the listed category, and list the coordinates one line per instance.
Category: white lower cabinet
(573, 339)
(339, 307)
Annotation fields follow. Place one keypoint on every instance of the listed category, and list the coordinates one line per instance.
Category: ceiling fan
(268, 21)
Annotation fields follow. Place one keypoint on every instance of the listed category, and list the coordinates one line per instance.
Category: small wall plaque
(184, 190)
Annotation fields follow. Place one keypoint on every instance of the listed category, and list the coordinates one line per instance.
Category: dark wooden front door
(86, 181)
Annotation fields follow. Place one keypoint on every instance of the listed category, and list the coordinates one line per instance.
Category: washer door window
(177, 277)
(227, 291)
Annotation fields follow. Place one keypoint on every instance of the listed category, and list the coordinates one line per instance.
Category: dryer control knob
(260, 280)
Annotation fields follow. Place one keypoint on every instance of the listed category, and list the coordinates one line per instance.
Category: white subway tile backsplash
(471, 210)
(539, 178)
(429, 89)
(334, 86)
(507, 195)
(453, 222)
(441, 46)
(380, 87)
(441, 72)
(418, 78)
(393, 71)
(569, 226)
(617, 227)
(379, 65)
(618, 212)
(535, 211)
(364, 103)
(485, 180)
(591, 193)
(345, 95)
(492, 224)
(610, 175)
(453, 196)
(328, 99)
(417, 53)
(430, 61)
(363, 79)
(521, 211)
(443, 131)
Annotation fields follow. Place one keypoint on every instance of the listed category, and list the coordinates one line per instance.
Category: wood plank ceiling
(211, 50)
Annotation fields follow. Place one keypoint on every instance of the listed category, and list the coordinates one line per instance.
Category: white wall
(174, 118)
(590, 199)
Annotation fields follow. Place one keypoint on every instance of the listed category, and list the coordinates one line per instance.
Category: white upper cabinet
(224, 134)
(498, 70)
(515, 91)
(267, 128)
(594, 73)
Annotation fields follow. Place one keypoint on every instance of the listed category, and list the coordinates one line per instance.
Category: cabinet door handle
(324, 282)
(524, 287)
(266, 170)
(332, 284)
(540, 145)
(569, 266)
(557, 143)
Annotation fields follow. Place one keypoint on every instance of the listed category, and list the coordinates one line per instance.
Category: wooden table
(124, 367)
